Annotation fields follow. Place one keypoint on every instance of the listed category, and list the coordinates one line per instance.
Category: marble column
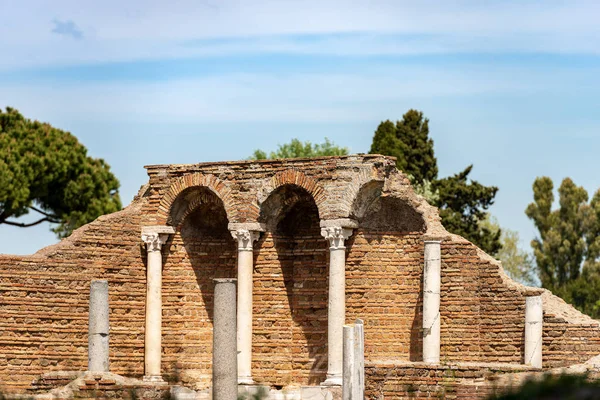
(534, 317)
(154, 239)
(336, 232)
(98, 327)
(245, 239)
(431, 302)
(224, 366)
(349, 363)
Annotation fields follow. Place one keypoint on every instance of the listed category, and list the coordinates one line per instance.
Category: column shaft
(336, 312)
(244, 317)
(153, 314)
(245, 238)
(153, 332)
(534, 317)
(358, 388)
(224, 368)
(431, 302)
(349, 362)
(98, 327)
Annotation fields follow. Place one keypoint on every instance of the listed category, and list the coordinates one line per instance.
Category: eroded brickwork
(44, 297)
(44, 301)
(465, 381)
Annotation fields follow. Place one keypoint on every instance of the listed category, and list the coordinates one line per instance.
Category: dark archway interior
(201, 250)
(293, 251)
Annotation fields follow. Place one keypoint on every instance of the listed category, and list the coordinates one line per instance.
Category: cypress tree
(463, 203)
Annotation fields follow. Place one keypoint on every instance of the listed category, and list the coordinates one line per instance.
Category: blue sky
(509, 86)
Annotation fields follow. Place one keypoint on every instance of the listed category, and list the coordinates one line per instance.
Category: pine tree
(46, 170)
(409, 142)
(463, 203)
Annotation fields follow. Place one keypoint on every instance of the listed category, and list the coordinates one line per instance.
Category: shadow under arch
(387, 251)
(294, 248)
(201, 250)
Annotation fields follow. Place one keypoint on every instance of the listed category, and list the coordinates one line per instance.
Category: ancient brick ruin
(313, 243)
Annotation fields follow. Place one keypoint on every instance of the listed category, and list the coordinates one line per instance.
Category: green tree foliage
(567, 249)
(46, 170)
(408, 140)
(565, 234)
(298, 149)
(463, 202)
(517, 263)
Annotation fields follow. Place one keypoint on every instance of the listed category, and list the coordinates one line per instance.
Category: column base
(153, 379)
(245, 380)
(333, 380)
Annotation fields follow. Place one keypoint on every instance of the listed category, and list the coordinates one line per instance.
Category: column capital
(155, 236)
(336, 235)
(245, 238)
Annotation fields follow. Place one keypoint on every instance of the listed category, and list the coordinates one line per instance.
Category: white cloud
(283, 97)
(122, 31)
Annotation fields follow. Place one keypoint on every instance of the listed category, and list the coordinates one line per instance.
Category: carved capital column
(154, 237)
(336, 232)
(245, 234)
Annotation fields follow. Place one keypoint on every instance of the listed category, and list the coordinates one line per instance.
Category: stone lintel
(248, 226)
(160, 229)
(433, 239)
(225, 280)
(339, 223)
(532, 291)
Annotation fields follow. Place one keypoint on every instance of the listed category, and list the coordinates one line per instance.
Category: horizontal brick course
(44, 297)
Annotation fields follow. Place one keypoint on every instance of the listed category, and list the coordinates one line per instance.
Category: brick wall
(44, 301)
(44, 297)
(465, 381)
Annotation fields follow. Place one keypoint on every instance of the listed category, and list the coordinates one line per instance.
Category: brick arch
(296, 178)
(189, 181)
(364, 180)
(363, 197)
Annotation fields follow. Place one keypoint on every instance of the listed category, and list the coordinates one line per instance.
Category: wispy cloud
(308, 97)
(140, 30)
(66, 28)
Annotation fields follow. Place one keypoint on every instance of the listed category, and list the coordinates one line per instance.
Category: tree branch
(24, 225)
(44, 213)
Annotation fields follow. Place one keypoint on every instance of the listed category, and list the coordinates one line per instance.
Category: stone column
(245, 238)
(224, 368)
(358, 389)
(431, 302)
(349, 363)
(336, 232)
(98, 327)
(534, 317)
(154, 237)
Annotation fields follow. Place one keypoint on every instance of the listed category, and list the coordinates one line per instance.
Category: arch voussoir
(196, 179)
(297, 178)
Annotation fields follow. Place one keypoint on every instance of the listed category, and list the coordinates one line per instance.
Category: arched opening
(290, 282)
(201, 249)
(384, 274)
